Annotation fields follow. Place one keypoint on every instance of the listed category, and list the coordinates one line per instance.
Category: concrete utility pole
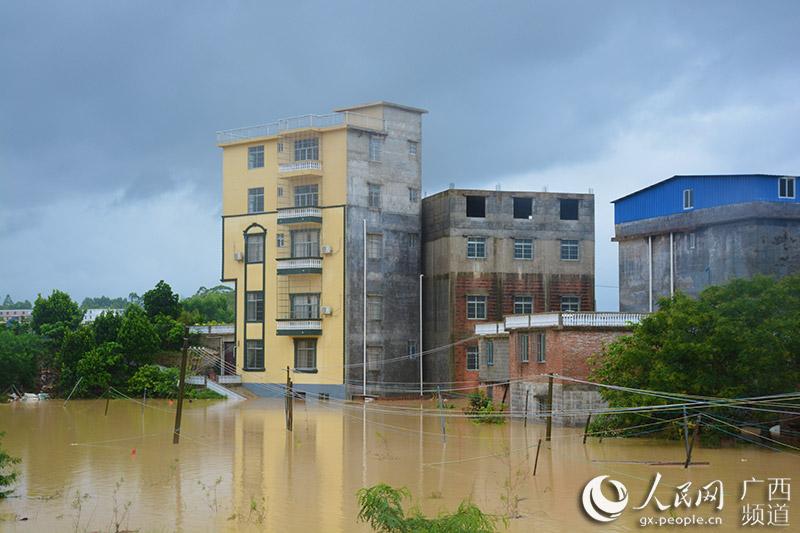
(549, 405)
(181, 385)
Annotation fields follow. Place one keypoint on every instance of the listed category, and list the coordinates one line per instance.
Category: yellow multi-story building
(321, 237)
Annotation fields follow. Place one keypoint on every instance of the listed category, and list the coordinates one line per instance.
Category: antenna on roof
(452, 185)
(544, 188)
(497, 187)
(591, 190)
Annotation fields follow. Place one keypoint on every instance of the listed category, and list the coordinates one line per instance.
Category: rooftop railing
(346, 118)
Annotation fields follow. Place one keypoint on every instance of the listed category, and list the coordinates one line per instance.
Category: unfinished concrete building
(488, 254)
(689, 232)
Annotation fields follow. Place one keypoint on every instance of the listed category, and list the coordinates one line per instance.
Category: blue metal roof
(666, 197)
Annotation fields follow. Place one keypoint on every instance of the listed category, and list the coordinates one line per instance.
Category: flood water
(238, 468)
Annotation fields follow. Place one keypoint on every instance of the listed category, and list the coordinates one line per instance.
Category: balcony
(300, 327)
(573, 319)
(308, 265)
(297, 215)
(301, 166)
(346, 118)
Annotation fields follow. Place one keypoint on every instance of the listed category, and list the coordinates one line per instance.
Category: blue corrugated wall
(666, 197)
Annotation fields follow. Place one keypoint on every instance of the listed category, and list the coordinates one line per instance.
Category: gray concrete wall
(731, 242)
(499, 370)
(566, 398)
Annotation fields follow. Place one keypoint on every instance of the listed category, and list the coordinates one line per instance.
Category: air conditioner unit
(326, 310)
(326, 249)
(238, 256)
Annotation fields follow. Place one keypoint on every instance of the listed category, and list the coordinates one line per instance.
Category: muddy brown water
(237, 468)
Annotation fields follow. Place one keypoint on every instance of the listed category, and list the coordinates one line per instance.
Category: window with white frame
(476, 247)
(523, 354)
(688, 198)
(306, 195)
(280, 192)
(570, 250)
(374, 308)
(375, 149)
(254, 355)
(692, 241)
(254, 308)
(254, 248)
(523, 305)
(280, 147)
(476, 307)
(570, 304)
(472, 358)
(305, 354)
(413, 194)
(305, 243)
(489, 352)
(305, 149)
(786, 187)
(255, 157)
(374, 358)
(374, 245)
(413, 240)
(538, 347)
(280, 240)
(255, 200)
(412, 147)
(523, 248)
(305, 306)
(374, 196)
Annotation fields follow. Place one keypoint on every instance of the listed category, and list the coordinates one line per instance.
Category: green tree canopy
(55, 315)
(104, 302)
(734, 341)
(213, 305)
(106, 327)
(161, 301)
(20, 352)
(137, 336)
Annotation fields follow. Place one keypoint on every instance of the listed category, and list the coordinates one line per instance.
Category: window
(305, 243)
(523, 207)
(413, 240)
(569, 209)
(305, 149)
(413, 194)
(374, 308)
(570, 250)
(412, 347)
(375, 149)
(280, 192)
(688, 199)
(786, 187)
(280, 147)
(305, 306)
(280, 241)
(254, 355)
(476, 206)
(570, 303)
(374, 196)
(306, 195)
(523, 305)
(523, 248)
(476, 307)
(522, 349)
(412, 147)
(692, 241)
(255, 157)
(305, 354)
(254, 310)
(374, 358)
(538, 347)
(476, 247)
(374, 245)
(472, 358)
(489, 352)
(255, 200)
(254, 248)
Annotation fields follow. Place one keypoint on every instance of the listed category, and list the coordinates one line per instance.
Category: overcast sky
(110, 179)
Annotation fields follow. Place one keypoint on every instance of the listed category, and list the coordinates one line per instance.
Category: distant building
(19, 315)
(515, 356)
(688, 232)
(89, 315)
(320, 235)
(488, 254)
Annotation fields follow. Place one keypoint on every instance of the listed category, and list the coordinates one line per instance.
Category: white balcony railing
(300, 165)
(299, 325)
(543, 320)
(492, 328)
(216, 329)
(291, 264)
(300, 212)
(305, 121)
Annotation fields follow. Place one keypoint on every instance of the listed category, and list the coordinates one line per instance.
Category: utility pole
(289, 401)
(549, 405)
(181, 384)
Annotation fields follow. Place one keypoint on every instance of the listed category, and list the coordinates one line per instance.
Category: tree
(76, 344)
(7, 461)
(161, 301)
(53, 316)
(735, 341)
(138, 338)
(101, 368)
(106, 327)
(20, 352)
(213, 305)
